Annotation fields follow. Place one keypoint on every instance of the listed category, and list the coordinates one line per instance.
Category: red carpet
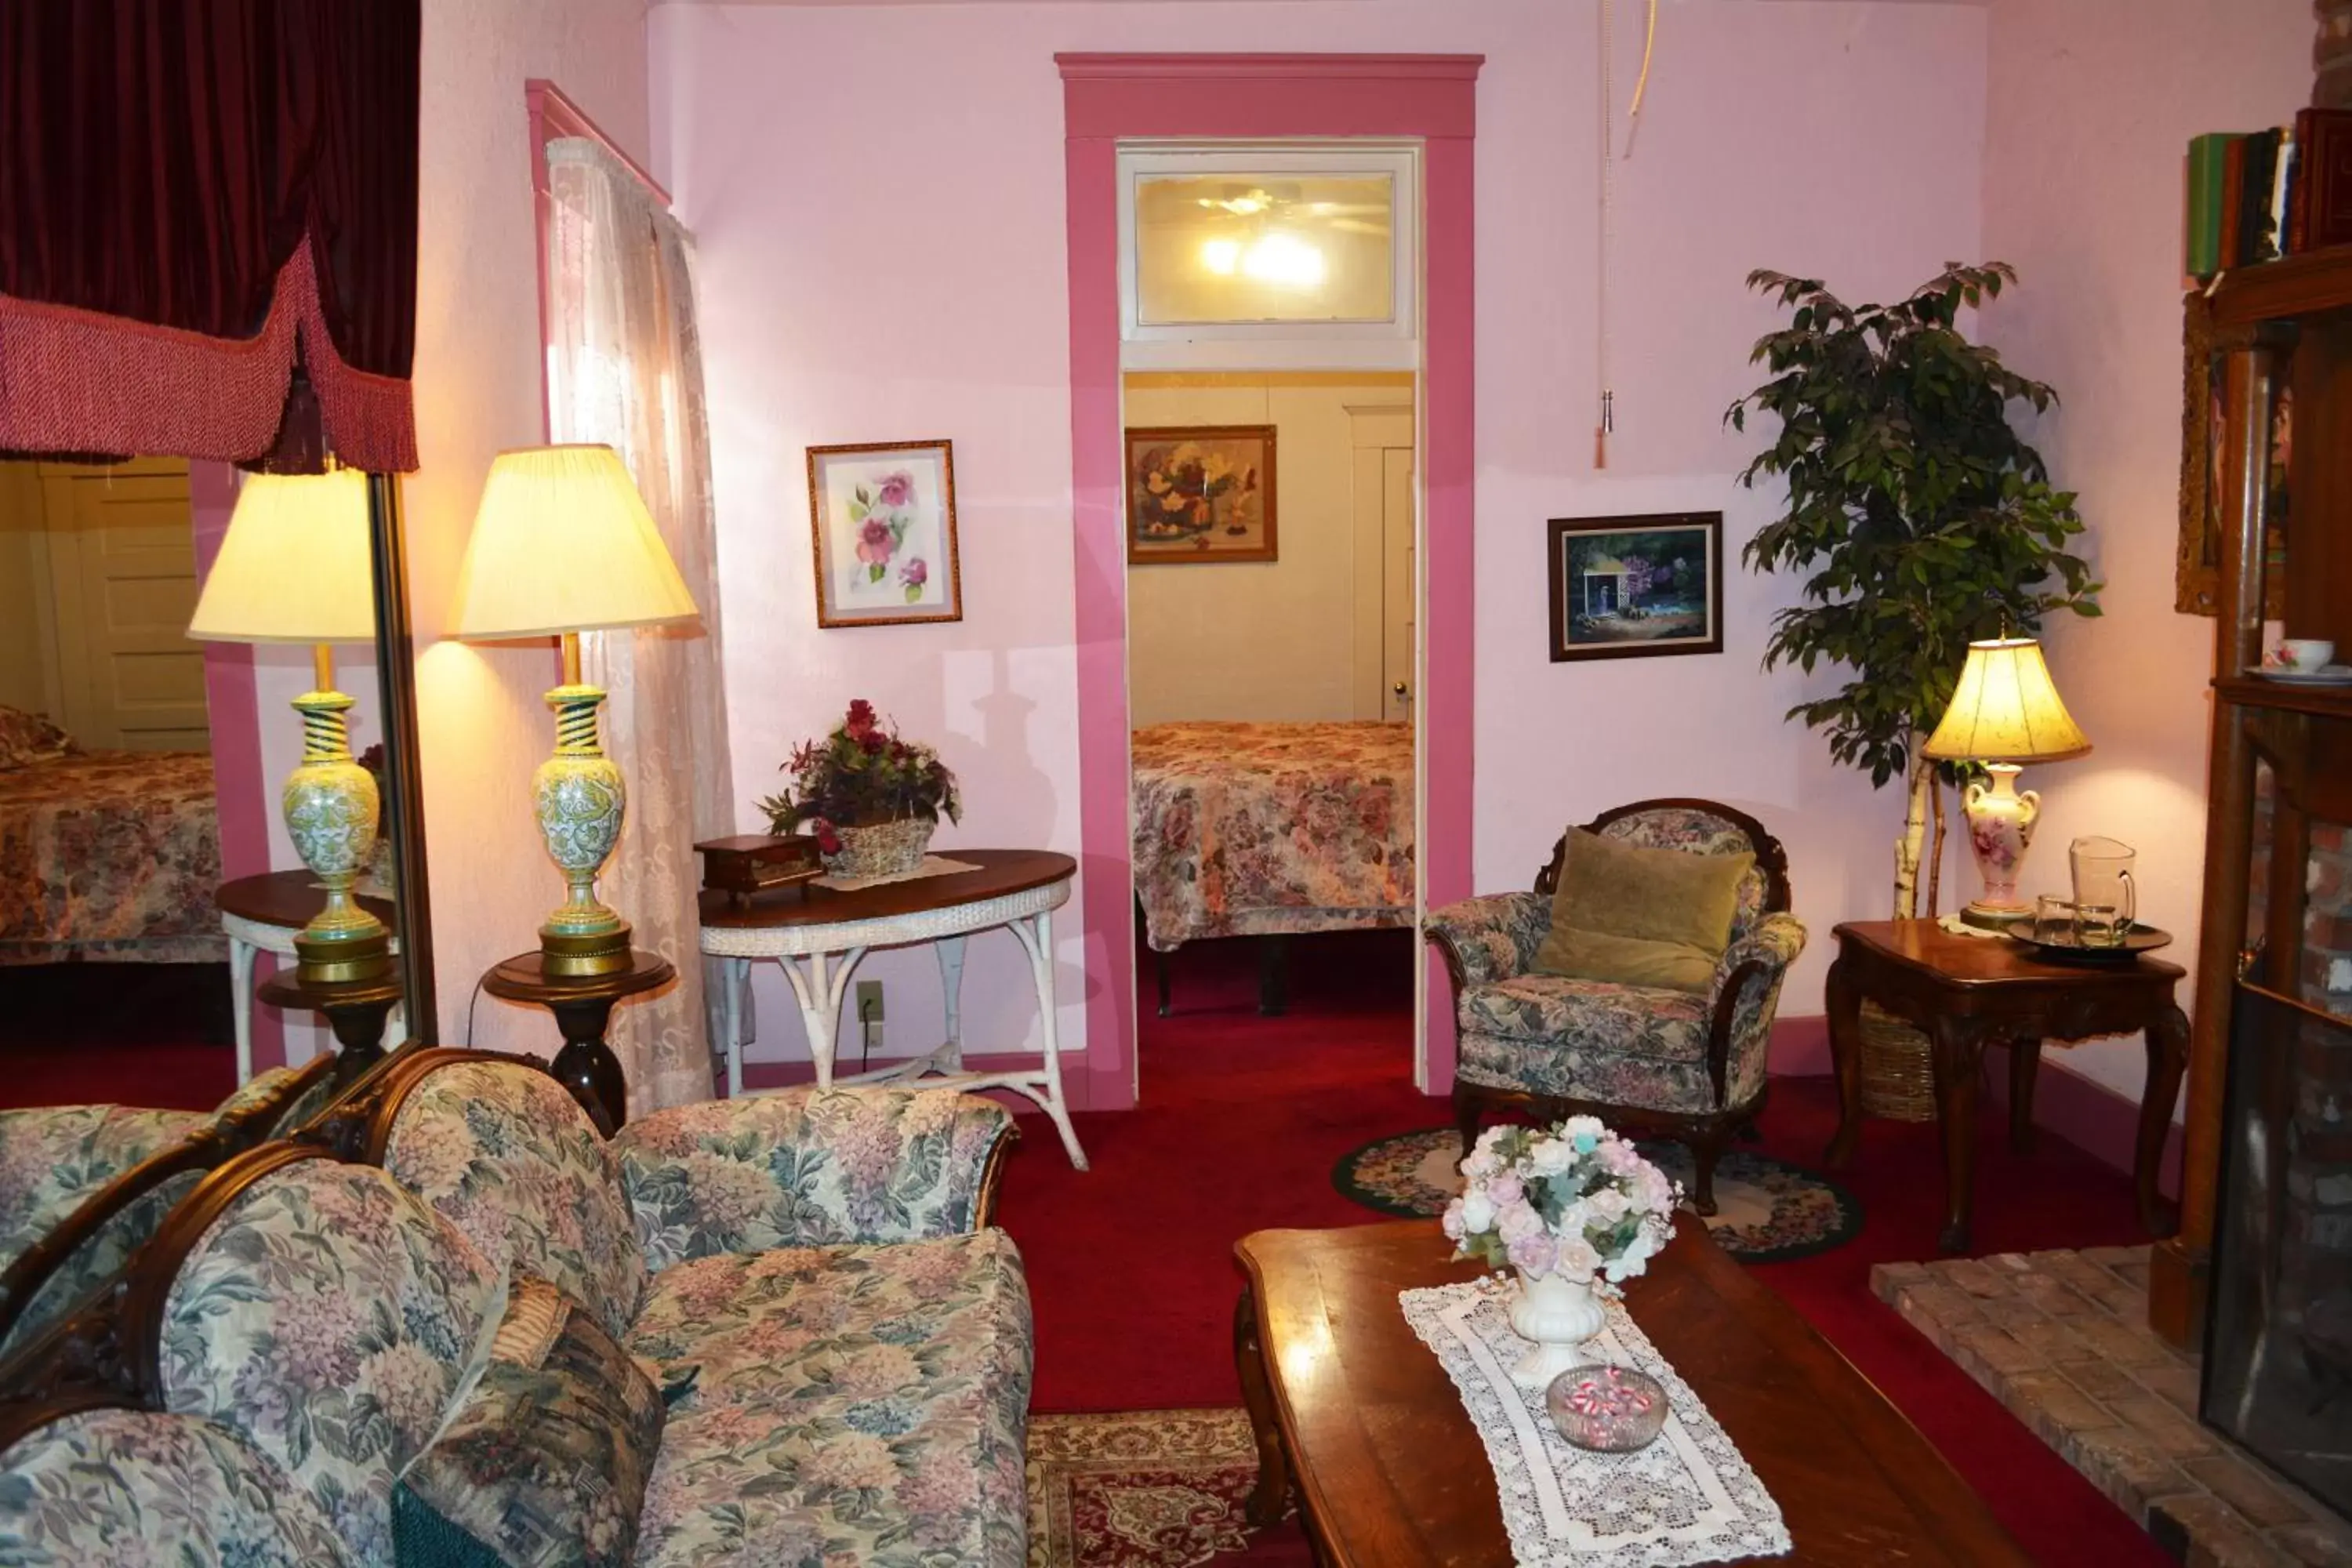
(130, 1034)
(1131, 1265)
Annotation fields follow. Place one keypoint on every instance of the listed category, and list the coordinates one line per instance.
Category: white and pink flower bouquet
(1574, 1202)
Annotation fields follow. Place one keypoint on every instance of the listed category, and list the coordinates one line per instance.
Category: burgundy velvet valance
(195, 197)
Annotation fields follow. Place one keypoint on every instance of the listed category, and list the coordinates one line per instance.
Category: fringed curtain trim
(83, 382)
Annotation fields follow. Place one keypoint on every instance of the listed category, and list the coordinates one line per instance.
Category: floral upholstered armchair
(1685, 1064)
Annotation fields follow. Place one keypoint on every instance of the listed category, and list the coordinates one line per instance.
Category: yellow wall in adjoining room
(1270, 640)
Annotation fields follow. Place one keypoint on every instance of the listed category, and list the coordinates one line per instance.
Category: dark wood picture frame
(1207, 554)
(829, 614)
(1652, 636)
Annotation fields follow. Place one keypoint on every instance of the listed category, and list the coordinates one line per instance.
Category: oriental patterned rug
(1144, 1488)
(1768, 1210)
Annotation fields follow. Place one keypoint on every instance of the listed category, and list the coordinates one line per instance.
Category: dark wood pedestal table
(818, 935)
(261, 914)
(356, 1010)
(1966, 992)
(1351, 1409)
(582, 1006)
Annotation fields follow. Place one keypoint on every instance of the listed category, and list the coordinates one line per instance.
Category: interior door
(122, 579)
(1397, 598)
(1382, 435)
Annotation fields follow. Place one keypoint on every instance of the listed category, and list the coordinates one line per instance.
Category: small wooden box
(755, 862)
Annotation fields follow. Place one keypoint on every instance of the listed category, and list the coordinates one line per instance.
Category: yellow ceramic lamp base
(581, 802)
(332, 806)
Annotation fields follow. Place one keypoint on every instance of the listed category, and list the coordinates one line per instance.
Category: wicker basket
(881, 848)
(1898, 1076)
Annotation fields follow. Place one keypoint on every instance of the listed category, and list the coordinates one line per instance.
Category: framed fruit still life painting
(883, 518)
(1198, 494)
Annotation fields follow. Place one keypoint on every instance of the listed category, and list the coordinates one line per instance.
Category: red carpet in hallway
(1131, 1265)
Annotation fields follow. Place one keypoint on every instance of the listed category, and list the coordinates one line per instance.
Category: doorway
(1429, 103)
(1271, 663)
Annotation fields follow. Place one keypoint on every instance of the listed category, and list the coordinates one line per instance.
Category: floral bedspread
(109, 855)
(1250, 829)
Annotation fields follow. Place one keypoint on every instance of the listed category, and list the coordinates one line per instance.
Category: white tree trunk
(1908, 849)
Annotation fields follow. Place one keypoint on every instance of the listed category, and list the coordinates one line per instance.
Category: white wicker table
(818, 936)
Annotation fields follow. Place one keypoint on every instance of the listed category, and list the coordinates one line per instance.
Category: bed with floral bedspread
(109, 856)
(1245, 829)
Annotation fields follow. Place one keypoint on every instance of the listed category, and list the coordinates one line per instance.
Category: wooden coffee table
(1353, 1409)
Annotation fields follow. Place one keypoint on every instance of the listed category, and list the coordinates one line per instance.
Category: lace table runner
(932, 865)
(1686, 1497)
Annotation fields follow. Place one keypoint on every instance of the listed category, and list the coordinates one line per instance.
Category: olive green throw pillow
(1641, 917)
(545, 1465)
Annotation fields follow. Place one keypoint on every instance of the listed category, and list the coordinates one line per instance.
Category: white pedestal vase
(1556, 1316)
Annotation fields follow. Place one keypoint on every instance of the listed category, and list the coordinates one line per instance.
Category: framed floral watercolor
(1200, 494)
(1623, 587)
(883, 517)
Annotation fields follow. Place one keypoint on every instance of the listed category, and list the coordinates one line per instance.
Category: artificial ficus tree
(1922, 519)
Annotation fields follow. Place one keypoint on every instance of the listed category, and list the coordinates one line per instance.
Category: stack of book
(2257, 196)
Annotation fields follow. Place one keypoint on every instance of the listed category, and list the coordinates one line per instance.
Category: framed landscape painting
(1200, 494)
(1625, 587)
(883, 518)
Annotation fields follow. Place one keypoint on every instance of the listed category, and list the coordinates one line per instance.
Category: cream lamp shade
(562, 542)
(294, 565)
(2006, 710)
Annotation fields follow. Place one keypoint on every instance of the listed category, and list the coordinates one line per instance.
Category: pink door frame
(1106, 97)
(241, 796)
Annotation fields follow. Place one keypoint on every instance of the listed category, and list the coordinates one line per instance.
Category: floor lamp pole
(404, 801)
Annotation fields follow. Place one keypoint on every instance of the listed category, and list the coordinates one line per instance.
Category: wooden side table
(261, 915)
(1966, 992)
(356, 1010)
(582, 1006)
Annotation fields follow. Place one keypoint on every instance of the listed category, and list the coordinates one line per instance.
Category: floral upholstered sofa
(82, 1186)
(808, 1277)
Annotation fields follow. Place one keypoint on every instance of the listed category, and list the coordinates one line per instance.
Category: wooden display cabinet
(2284, 327)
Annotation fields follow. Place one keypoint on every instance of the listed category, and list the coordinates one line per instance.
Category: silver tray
(2060, 947)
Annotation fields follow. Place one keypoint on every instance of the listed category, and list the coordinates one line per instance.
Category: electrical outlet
(869, 1001)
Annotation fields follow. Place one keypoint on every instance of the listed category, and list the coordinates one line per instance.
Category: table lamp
(2005, 712)
(563, 544)
(294, 567)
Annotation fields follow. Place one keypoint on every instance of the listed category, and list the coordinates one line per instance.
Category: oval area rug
(1767, 1210)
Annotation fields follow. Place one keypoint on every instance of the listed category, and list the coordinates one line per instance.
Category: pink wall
(2092, 104)
(869, 275)
(477, 375)
(242, 792)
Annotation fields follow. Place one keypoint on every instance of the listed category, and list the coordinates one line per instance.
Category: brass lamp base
(1995, 917)
(580, 953)
(334, 961)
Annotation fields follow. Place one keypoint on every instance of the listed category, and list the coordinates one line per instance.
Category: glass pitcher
(2103, 882)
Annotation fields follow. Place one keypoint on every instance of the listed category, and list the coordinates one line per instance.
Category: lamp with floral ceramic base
(2006, 711)
(563, 544)
(294, 567)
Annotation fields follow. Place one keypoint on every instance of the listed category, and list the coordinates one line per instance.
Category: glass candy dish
(1607, 1409)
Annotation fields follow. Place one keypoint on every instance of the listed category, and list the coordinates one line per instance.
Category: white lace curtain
(625, 369)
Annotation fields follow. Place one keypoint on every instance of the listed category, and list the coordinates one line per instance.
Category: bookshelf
(2276, 328)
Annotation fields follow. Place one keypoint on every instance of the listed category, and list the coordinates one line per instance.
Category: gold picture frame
(1200, 495)
(882, 526)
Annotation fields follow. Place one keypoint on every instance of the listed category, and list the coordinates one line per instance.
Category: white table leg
(951, 953)
(1036, 934)
(736, 974)
(396, 1026)
(819, 991)
(241, 955)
